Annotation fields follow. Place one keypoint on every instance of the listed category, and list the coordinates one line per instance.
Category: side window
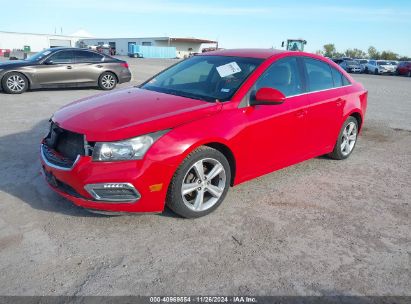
(282, 75)
(337, 77)
(85, 56)
(345, 81)
(62, 57)
(318, 75)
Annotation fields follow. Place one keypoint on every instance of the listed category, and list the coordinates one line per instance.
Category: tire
(376, 72)
(201, 196)
(14, 83)
(346, 142)
(409, 74)
(107, 81)
(366, 71)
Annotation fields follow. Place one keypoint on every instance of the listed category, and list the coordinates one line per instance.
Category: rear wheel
(409, 74)
(15, 83)
(200, 184)
(346, 139)
(107, 81)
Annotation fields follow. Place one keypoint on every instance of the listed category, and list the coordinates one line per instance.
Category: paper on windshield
(228, 69)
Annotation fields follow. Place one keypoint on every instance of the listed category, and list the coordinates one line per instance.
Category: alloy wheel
(349, 137)
(203, 184)
(15, 83)
(108, 81)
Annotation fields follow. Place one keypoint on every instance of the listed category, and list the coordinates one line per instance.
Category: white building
(184, 46)
(38, 42)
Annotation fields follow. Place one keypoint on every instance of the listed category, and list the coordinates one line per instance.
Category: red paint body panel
(261, 138)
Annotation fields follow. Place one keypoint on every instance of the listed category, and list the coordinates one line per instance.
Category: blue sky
(235, 23)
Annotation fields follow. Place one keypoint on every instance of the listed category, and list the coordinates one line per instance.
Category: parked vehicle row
(377, 67)
(63, 67)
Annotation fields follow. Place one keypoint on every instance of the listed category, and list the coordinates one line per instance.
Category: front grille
(60, 185)
(67, 144)
(54, 158)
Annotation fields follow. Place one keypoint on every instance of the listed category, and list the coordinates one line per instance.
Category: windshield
(208, 78)
(38, 56)
(352, 62)
(382, 63)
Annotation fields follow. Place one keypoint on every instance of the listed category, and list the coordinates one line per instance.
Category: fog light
(113, 192)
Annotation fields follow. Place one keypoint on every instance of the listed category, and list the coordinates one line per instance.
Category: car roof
(68, 49)
(248, 53)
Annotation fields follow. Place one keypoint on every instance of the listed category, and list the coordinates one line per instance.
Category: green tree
(329, 50)
(388, 55)
(355, 53)
(373, 53)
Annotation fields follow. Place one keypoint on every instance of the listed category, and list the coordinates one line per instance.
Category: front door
(275, 134)
(57, 70)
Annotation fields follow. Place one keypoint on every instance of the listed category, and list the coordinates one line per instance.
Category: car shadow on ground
(21, 176)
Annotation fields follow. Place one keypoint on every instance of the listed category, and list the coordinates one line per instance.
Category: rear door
(56, 70)
(326, 99)
(88, 66)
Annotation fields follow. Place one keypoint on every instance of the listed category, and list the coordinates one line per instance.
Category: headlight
(133, 148)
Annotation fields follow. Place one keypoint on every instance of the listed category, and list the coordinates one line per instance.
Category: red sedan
(212, 121)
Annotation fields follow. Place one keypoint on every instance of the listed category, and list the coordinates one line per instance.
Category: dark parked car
(404, 68)
(63, 67)
(351, 66)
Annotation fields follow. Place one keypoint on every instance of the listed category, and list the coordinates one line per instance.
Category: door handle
(339, 102)
(301, 113)
(99, 66)
(69, 67)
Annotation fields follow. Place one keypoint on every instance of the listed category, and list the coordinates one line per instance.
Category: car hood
(12, 64)
(130, 112)
(387, 66)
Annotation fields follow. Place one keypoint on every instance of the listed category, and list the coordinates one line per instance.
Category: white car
(379, 67)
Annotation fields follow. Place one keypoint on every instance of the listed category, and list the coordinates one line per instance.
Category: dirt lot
(321, 227)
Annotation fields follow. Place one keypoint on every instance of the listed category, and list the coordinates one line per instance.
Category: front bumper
(149, 179)
(354, 70)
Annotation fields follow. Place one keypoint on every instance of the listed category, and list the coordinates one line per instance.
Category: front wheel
(15, 83)
(107, 81)
(346, 139)
(200, 184)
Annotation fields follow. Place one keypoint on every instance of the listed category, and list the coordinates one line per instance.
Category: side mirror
(49, 62)
(267, 96)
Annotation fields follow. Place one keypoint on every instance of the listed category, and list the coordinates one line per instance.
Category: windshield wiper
(180, 93)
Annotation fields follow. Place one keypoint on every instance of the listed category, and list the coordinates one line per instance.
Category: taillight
(124, 65)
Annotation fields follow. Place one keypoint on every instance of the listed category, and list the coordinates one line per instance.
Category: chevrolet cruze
(212, 121)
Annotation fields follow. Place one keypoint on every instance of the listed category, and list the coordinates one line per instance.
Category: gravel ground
(321, 227)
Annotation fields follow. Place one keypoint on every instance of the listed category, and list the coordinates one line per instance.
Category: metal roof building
(184, 46)
(36, 42)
